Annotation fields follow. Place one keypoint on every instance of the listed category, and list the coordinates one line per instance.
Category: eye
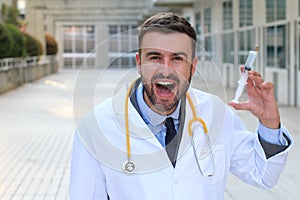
(178, 58)
(154, 58)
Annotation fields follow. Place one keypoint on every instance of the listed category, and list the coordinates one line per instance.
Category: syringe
(244, 76)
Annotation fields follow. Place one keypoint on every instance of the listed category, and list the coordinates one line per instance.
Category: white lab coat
(100, 150)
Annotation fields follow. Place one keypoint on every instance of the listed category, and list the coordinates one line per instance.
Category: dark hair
(167, 23)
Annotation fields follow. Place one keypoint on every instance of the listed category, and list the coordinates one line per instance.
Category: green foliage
(18, 49)
(51, 45)
(14, 43)
(6, 41)
(33, 46)
(10, 15)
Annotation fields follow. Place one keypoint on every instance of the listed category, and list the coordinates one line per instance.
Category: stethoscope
(129, 166)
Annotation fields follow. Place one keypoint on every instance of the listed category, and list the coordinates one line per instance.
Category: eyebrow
(151, 53)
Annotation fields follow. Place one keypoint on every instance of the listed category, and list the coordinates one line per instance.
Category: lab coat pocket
(211, 164)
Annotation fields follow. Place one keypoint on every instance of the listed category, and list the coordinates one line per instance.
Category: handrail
(11, 63)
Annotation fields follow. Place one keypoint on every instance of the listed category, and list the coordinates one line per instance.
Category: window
(276, 46)
(228, 48)
(122, 45)
(198, 28)
(246, 44)
(227, 15)
(298, 47)
(207, 20)
(208, 48)
(79, 42)
(276, 10)
(246, 13)
(198, 23)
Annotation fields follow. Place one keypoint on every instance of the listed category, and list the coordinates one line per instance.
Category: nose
(166, 67)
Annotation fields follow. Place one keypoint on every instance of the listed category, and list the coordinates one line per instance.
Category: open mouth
(165, 89)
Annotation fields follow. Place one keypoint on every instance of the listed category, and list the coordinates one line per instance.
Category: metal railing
(11, 63)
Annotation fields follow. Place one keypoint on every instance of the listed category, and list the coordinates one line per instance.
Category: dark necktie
(170, 140)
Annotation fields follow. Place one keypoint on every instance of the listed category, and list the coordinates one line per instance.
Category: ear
(194, 65)
(138, 62)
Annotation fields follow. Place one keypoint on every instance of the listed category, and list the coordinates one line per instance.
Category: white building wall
(54, 14)
(287, 79)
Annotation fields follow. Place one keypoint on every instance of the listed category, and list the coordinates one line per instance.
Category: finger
(242, 68)
(269, 87)
(240, 105)
(257, 79)
(255, 73)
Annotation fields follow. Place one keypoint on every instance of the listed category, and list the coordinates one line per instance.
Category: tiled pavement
(36, 139)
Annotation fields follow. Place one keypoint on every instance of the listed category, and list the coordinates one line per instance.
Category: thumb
(240, 105)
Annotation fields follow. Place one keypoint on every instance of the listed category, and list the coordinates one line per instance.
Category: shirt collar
(149, 116)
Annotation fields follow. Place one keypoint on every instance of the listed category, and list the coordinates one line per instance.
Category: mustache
(161, 76)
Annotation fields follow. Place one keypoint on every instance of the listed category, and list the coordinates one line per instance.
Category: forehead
(169, 42)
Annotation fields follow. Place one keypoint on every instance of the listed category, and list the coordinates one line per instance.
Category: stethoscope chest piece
(128, 166)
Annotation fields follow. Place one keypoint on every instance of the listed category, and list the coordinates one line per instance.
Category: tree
(32, 45)
(18, 48)
(10, 15)
(6, 41)
(51, 45)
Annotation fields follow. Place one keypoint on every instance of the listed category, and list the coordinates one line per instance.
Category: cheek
(184, 75)
(147, 71)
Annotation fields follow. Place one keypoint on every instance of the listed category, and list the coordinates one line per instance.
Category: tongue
(164, 91)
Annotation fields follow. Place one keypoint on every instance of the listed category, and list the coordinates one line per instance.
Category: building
(86, 30)
(228, 29)
(89, 32)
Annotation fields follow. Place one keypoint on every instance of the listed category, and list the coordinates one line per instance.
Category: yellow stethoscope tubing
(194, 119)
(127, 121)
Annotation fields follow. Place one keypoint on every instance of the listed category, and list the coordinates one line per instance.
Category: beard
(165, 105)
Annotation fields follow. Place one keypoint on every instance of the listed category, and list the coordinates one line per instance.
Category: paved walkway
(36, 139)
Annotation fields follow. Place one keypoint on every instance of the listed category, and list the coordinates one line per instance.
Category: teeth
(164, 83)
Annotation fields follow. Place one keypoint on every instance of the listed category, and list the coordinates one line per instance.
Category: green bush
(10, 15)
(33, 46)
(51, 45)
(18, 49)
(6, 41)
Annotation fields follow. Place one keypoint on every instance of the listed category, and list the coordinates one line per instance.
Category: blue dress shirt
(156, 123)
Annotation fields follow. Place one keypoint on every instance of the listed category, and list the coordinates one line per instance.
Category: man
(160, 139)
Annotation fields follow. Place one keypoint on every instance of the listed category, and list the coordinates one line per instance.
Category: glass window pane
(113, 43)
(270, 46)
(299, 45)
(113, 29)
(276, 10)
(207, 20)
(67, 62)
(246, 10)
(227, 15)
(243, 47)
(79, 45)
(280, 8)
(281, 46)
(123, 40)
(246, 44)
(228, 48)
(67, 45)
(270, 5)
(208, 48)
(198, 23)
(79, 62)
